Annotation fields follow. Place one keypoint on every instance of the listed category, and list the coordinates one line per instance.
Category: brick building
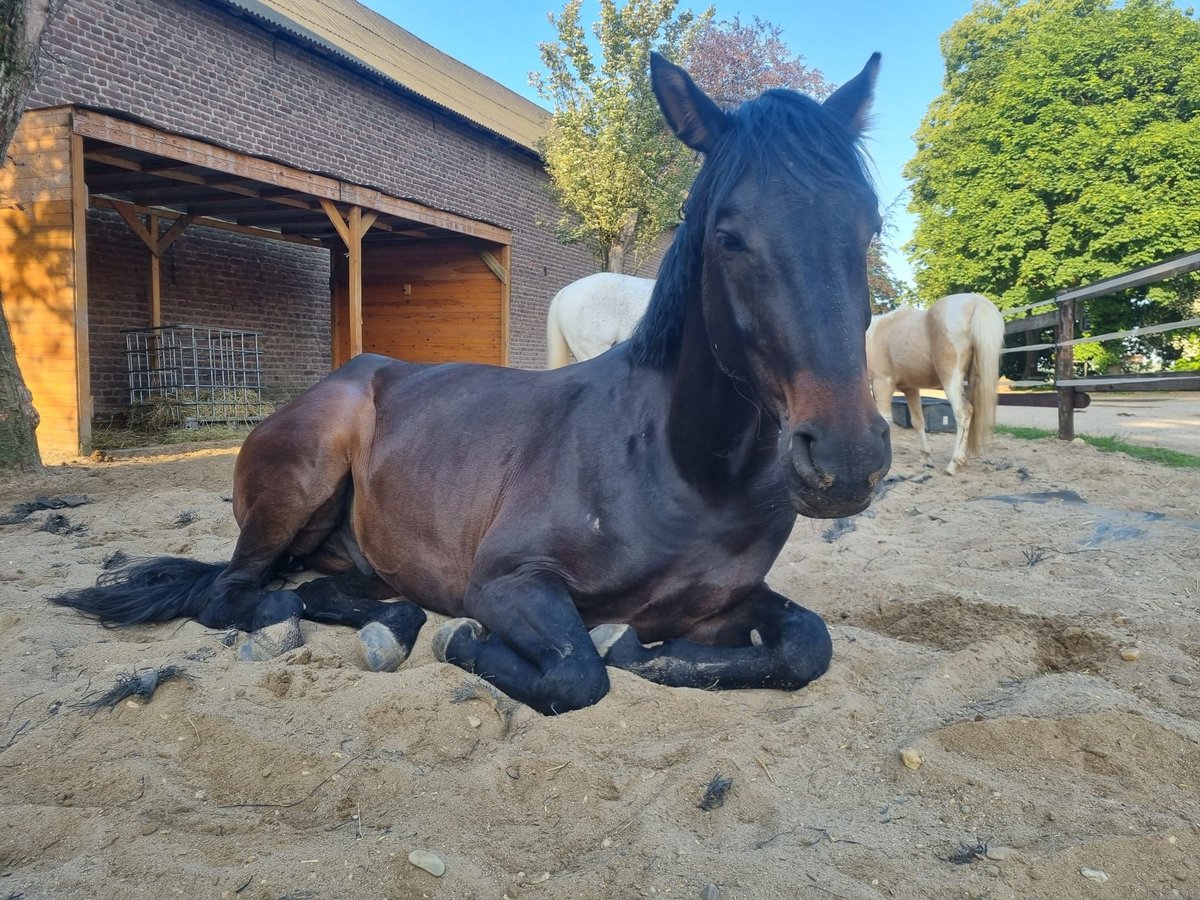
(307, 170)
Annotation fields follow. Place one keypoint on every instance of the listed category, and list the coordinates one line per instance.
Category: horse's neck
(716, 429)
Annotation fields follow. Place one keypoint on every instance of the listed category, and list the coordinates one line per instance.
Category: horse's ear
(690, 114)
(852, 100)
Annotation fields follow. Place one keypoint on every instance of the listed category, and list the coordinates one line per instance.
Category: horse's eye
(730, 241)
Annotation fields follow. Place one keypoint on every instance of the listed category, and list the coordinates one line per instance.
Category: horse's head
(782, 213)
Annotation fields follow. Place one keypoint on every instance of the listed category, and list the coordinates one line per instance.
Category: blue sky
(500, 40)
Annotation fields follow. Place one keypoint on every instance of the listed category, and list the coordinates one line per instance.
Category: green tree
(22, 27)
(615, 170)
(1064, 148)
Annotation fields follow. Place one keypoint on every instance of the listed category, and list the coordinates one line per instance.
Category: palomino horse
(643, 494)
(594, 314)
(955, 341)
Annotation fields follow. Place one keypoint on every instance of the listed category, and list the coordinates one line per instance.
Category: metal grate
(189, 375)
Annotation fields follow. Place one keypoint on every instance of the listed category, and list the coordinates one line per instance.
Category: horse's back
(598, 311)
(898, 348)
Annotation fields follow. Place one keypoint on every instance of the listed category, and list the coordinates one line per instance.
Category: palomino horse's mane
(779, 133)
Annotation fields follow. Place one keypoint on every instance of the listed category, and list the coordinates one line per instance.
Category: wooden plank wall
(38, 274)
(453, 312)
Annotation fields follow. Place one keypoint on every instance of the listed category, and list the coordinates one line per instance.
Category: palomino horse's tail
(149, 590)
(558, 354)
(987, 339)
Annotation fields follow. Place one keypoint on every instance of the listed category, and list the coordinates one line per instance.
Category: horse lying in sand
(563, 518)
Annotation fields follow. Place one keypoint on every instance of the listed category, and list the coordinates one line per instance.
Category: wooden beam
(499, 270)
(1032, 323)
(219, 224)
(366, 222)
(128, 213)
(1179, 265)
(149, 140)
(355, 245)
(1064, 369)
(285, 198)
(83, 353)
(505, 306)
(174, 232)
(335, 217)
(155, 275)
(1041, 398)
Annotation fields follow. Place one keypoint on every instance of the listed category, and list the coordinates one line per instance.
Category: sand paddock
(986, 636)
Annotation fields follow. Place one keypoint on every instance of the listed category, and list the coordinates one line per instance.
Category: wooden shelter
(436, 285)
(407, 185)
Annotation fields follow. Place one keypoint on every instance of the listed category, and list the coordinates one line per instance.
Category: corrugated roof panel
(365, 36)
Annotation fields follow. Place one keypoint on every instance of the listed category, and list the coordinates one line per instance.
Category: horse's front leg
(526, 637)
(766, 641)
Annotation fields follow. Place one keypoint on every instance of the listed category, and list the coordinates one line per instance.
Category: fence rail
(1063, 320)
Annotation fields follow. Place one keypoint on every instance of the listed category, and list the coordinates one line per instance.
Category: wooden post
(351, 231)
(1064, 369)
(155, 274)
(355, 248)
(157, 245)
(506, 306)
(83, 358)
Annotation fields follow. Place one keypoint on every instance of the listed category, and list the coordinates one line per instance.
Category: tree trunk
(617, 252)
(22, 26)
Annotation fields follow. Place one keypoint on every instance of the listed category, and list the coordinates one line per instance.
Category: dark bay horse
(643, 495)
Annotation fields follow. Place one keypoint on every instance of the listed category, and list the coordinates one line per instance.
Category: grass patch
(1110, 445)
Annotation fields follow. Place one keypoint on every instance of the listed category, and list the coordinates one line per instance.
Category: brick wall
(191, 67)
(207, 277)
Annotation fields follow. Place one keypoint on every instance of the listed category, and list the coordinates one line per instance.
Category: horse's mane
(779, 132)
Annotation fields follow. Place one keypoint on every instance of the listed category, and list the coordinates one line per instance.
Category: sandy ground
(979, 622)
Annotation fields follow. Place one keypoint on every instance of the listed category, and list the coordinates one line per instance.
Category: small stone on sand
(911, 758)
(429, 861)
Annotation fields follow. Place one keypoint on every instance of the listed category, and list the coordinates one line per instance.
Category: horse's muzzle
(832, 472)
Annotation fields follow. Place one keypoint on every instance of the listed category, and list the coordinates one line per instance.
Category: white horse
(957, 340)
(592, 314)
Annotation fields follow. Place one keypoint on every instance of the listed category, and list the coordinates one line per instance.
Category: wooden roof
(138, 169)
(349, 30)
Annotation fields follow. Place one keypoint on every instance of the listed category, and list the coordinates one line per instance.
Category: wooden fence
(1071, 391)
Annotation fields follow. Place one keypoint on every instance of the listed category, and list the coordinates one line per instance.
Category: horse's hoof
(444, 635)
(604, 636)
(269, 642)
(617, 644)
(382, 651)
(388, 638)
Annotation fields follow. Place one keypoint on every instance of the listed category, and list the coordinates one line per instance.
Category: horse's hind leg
(537, 650)
(291, 490)
(956, 395)
(767, 641)
(917, 414)
(387, 630)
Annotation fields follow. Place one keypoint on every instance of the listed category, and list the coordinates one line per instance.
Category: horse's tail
(558, 354)
(987, 340)
(149, 590)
